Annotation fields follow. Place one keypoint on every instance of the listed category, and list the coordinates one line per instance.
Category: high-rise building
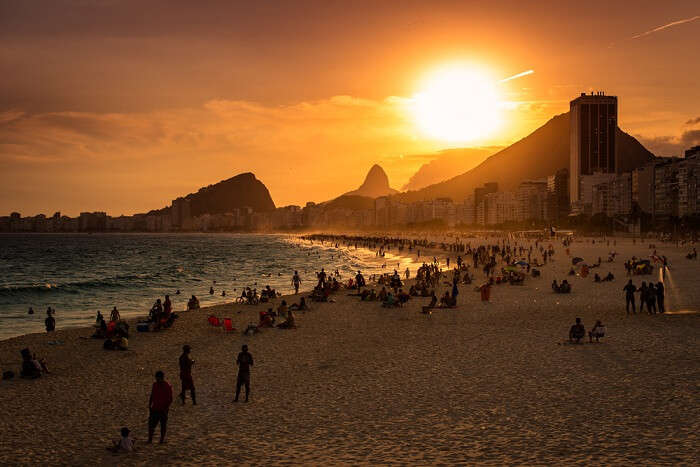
(558, 195)
(593, 124)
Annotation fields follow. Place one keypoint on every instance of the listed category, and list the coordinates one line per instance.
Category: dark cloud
(671, 145)
(693, 121)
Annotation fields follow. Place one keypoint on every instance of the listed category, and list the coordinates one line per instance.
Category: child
(125, 443)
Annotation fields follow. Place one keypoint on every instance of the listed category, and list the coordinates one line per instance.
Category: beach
(488, 382)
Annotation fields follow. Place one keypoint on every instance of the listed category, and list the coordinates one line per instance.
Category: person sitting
(267, 319)
(382, 294)
(282, 309)
(100, 327)
(609, 278)
(289, 322)
(432, 304)
(389, 301)
(565, 287)
(577, 331)
(301, 306)
(445, 300)
(598, 331)
(193, 304)
(596, 278)
(572, 272)
(32, 367)
(412, 291)
(124, 444)
(555, 286)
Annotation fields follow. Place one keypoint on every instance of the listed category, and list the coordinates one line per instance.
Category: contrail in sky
(519, 75)
(669, 25)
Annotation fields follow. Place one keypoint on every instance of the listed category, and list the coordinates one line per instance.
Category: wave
(115, 282)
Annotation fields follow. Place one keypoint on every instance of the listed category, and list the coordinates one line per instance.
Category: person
(577, 331)
(186, 374)
(555, 286)
(302, 306)
(660, 296)
(31, 311)
(629, 290)
(158, 406)
(296, 282)
(167, 306)
(125, 442)
(114, 315)
(289, 322)
(643, 296)
(50, 321)
(193, 304)
(651, 298)
(598, 331)
(31, 367)
(360, 281)
(211, 290)
(455, 291)
(244, 362)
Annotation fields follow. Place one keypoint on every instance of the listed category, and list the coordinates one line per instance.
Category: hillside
(376, 184)
(236, 192)
(538, 155)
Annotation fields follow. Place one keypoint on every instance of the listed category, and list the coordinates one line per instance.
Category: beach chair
(214, 321)
(228, 326)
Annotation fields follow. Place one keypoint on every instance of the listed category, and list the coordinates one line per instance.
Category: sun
(458, 104)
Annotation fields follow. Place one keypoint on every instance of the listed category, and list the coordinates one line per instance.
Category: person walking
(296, 282)
(158, 406)
(244, 362)
(186, 374)
(629, 290)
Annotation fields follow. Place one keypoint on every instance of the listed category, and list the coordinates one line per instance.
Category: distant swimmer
(223, 293)
(31, 311)
(211, 290)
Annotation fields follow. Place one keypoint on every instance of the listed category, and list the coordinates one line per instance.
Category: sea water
(79, 274)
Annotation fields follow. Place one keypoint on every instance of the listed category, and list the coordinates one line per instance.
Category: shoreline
(487, 382)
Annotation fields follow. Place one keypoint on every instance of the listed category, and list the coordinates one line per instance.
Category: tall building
(593, 124)
(558, 195)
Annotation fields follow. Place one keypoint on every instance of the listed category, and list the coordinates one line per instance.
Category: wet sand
(357, 383)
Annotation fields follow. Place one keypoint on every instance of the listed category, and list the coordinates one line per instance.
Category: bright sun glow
(458, 105)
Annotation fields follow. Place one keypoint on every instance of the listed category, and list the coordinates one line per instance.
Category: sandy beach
(489, 382)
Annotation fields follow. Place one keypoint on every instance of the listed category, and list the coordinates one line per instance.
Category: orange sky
(121, 106)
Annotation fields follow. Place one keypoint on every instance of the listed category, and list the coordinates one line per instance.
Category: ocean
(79, 274)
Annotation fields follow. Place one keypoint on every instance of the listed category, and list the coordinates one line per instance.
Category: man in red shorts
(158, 405)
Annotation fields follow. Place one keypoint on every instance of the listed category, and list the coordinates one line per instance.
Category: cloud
(665, 26)
(305, 151)
(671, 145)
(693, 121)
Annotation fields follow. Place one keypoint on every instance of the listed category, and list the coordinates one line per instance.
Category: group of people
(578, 332)
(653, 296)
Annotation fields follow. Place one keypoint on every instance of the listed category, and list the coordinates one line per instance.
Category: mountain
(541, 153)
(236, 192)
(376, 184)
(447, 162)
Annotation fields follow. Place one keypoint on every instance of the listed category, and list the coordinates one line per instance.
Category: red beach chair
(228, 326)
(214, 321)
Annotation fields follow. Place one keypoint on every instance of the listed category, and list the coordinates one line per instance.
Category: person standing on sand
(50, 321)
(296, 282)
(244, 362)
(186, 374)
(630, 289)
(660, 296)
(158, 406)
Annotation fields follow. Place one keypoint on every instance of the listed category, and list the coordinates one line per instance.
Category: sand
(356, 383)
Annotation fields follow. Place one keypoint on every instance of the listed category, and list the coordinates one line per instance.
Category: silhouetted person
(49, 322)
(244, 362)
(296, 282)
(630, 289)
(577, 331)
(158, 405)
(186, 374)
(660, 296)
